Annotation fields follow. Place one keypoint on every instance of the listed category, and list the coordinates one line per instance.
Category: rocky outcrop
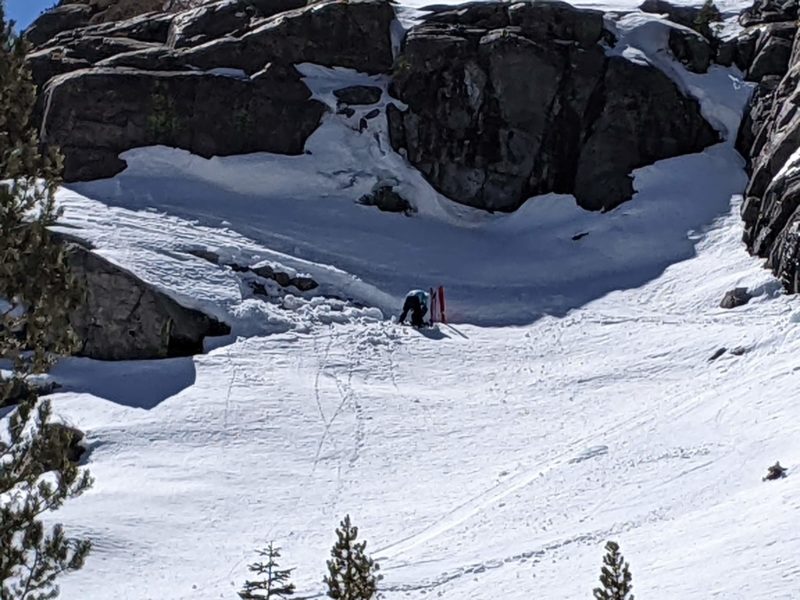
(769, 11)
(69, 15)
(353, 34)
(216, 79)
(772, 50)
(736, 297)
(216, 19)
(56, 20)
(769, 138)
(690, 48)
(509, 101)
(95, 114)
(384, 197)
(738, 50)
(300, 282)
(677, 13)
(123, 318)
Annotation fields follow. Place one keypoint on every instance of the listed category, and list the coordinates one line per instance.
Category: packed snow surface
(573, 400)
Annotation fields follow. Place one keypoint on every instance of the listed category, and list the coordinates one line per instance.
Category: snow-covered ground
(573, 400)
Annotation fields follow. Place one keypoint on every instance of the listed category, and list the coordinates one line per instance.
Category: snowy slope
(479, 462)
(573, 400)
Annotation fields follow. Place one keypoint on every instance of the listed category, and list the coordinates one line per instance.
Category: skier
(417, 303)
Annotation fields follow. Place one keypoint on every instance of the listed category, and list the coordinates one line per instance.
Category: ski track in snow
(573, 401)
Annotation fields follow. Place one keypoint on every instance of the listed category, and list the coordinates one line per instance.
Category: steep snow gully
(573, 400)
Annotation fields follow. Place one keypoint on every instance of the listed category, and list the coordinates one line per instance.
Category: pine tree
(352, 575)
(708, 13)
(37, 295)
(615, 577)
(276, 581)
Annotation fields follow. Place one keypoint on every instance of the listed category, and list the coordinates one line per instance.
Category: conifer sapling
(352, 574)
(275, 582)
(615, 576)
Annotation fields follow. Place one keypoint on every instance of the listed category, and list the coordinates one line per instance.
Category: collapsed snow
(573, 401)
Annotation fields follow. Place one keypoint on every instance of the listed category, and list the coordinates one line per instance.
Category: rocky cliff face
(123, 318)
(770, 137)
(215, 80)
(506, 101)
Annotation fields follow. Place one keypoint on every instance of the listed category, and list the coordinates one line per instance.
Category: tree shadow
(138, 384)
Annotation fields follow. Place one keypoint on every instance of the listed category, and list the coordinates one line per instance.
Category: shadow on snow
(137, 384)
(507, 269)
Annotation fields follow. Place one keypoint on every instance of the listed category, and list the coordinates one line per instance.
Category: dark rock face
(772, 51)
(769, 11)
(60, 18)
(682, 15)
(769, 137)
(95, 114)
(736, 297)
(358, 94)
(218, 19)
(352, 34)
(300, 282)
(509, 101)
(738, 50)
(691, 48)
(123, 318)
(107, 86)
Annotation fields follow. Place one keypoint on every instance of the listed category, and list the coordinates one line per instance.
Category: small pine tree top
(708, 13)
(352, 574)
(615, 576)
(276, 581)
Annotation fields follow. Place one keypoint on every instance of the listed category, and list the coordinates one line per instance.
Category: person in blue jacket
(417, 303)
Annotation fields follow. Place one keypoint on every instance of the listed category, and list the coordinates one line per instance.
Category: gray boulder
(385, 198)
(533, 106)
(736, 297)
(95, 114)
(123, 318)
